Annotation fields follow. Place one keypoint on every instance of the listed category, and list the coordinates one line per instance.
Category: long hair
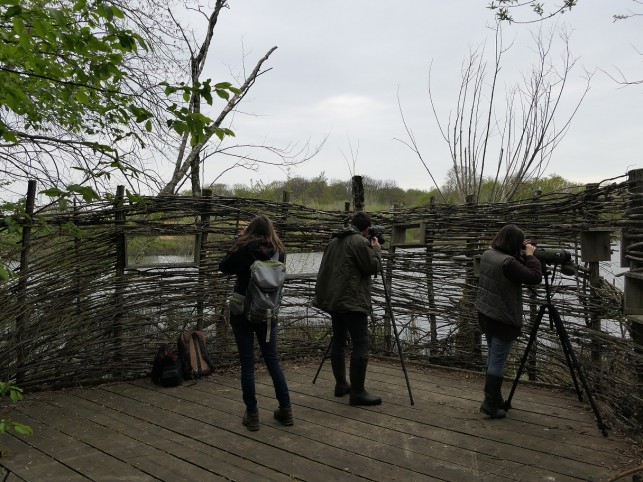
(260, 227)
(509, 239)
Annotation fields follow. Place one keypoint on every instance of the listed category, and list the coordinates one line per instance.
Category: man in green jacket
(343, 290)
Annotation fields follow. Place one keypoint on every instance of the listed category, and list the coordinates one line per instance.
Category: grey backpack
(265, 290)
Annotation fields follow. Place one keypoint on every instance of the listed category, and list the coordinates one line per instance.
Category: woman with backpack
(258, 241)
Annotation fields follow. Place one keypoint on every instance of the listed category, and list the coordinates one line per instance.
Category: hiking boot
(284, 415)
(251, 420)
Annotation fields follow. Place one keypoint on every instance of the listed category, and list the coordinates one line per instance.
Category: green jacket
(344, 277)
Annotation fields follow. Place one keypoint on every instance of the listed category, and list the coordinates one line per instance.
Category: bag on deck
(166, 370)
(265, 290)
(195, 361)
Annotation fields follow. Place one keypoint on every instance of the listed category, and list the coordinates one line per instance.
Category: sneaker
(251, 420)
(284, 415)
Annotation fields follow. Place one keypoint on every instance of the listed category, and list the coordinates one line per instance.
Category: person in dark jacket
(343, 290)
(504, 268)
(258, 241)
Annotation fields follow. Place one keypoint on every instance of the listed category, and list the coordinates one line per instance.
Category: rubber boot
(493, 405)
(359, 395)
(342, 387)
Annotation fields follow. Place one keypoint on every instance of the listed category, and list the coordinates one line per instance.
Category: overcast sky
(339, 66)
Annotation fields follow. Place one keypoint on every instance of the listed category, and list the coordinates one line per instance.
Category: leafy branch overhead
(504, 9)
(65, 69)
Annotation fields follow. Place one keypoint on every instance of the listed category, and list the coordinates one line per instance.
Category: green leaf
(87, 192)
(15, 393)
(52, 192)
(223, 94)
(79, 5)
(22, 428)
(13, 11)
(5, 273)
(148, 126)
(82, 97)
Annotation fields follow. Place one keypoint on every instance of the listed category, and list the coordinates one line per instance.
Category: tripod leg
(397, 336)
(399, 351)
(532, 338)
(555, 319)
(574, 365)
(321, 364)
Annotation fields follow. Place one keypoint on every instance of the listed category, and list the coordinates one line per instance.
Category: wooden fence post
(119, 282)
(23, 318)
(532, 360)
(358, 193)
(430, 287)
(632, 257)
(206, 194)
(469, 333)
(591, 203)
(283, 222)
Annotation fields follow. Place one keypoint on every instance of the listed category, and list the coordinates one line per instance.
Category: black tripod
(397, 339)
(572, 362)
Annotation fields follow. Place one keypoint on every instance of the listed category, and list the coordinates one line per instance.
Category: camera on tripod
(557, 257)
(376, 231)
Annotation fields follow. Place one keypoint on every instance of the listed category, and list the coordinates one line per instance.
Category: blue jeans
(244, 334)
(355, 324)
(498, 353)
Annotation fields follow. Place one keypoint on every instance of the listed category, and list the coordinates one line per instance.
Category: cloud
(346, 107)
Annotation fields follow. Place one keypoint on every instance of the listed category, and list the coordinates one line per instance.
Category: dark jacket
(239, 262)
(344, 277)
(500, 287)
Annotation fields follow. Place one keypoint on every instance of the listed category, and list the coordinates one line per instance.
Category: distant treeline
(322, 193)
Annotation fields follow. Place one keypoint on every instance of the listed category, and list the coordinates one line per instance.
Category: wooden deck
(139, 432)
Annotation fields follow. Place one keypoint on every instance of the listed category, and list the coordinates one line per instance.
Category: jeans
(353, 323)
(498, 353)
(244, 334)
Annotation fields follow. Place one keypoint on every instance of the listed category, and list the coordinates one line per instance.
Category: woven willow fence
(91, 305)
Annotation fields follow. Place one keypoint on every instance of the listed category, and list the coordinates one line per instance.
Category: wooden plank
(213, 427)
(145, 462)
(416, 436)
(573, 418)
(382, 444)
(185, 448)
(28, 457)
(194, 432)
(11, 477)
(473, 432)
(285, 439)
(83, 456)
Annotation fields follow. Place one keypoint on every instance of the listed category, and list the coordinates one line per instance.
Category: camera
(557, 257)
(376, 231)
